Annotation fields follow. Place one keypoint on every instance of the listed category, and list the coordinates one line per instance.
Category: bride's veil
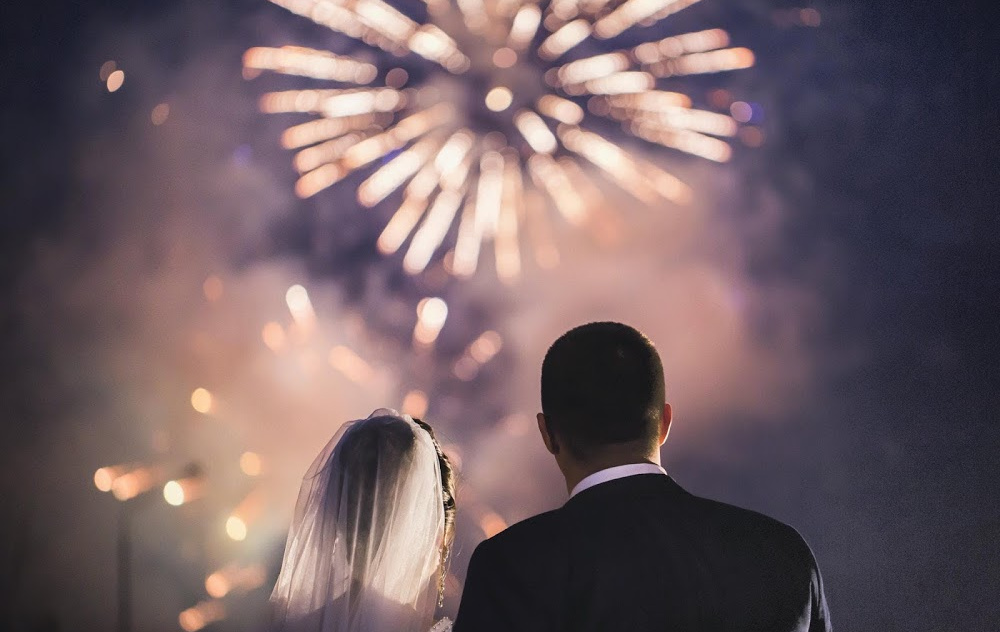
(363, 550)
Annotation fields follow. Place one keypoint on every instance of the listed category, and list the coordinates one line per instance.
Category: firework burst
(479, 114)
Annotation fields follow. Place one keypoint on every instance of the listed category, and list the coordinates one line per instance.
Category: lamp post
(128, 482)
(124, 568)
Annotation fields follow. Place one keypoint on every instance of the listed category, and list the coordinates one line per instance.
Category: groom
(631, 550)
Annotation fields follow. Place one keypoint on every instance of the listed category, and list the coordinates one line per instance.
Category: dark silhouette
(631, 550)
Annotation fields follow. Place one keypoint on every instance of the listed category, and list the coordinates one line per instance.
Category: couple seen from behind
(629, 551)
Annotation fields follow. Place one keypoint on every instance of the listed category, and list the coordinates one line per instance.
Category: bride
(373, 524)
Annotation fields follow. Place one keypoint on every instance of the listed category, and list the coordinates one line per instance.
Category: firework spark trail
(500, 161)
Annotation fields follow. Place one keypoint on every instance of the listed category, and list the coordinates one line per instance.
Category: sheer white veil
(363, 550)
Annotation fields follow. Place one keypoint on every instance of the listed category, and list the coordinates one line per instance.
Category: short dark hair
(602, 383)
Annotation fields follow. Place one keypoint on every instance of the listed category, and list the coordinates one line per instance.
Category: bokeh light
(202, 400)
(160, 113)
(236, 528)
(250, 463)
(115, 80)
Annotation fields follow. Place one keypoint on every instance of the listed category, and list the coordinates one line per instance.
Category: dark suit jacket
(640, 554)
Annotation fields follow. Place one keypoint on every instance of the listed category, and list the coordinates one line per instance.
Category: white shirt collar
(612, 473)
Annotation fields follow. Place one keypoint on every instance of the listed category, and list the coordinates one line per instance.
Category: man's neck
(579, 470)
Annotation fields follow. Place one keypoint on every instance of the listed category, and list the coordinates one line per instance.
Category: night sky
(882, 128)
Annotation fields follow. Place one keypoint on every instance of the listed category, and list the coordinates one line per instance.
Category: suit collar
(613, 473)
(628, 486)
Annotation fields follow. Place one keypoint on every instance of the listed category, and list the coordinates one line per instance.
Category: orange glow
(201, 400)
(492, 523)
(487, 345)
(181, 491)
(234, 578)
(115, 80)
(273, 336)
(216, 585)
(465, 368)
(107, 68)
(105, 477)
(159, 114)
(415, 403)
(499, 99)
(238, 522)
(212, 288)
(504, 58)
(131, 484)
(431, 315)
(351, 364)
(197, 617)
(752, 136)
(236, 528)
(810, 17)
(396, 78)
(250, 463)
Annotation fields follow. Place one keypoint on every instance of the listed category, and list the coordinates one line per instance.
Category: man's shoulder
(749, 526)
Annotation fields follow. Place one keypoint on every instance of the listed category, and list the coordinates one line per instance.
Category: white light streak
(568, 36)
(703, 63)
(634, 11)
(430, 234)
(323, 129)
(524, 26)
(307, 62)
(549, 175)
(535, 131)
(394, 173)
(622, 83)
(506, 250)
(299, 305)
(312, 157)
(591, 68)
(562, 110)
(432, 312)
(678, 45)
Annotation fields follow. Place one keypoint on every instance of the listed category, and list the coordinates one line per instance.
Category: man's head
(603, 394)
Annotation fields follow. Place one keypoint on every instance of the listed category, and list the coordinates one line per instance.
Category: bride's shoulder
(444, 625)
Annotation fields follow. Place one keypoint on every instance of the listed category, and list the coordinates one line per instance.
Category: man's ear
(668, 416)
(548, 437)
